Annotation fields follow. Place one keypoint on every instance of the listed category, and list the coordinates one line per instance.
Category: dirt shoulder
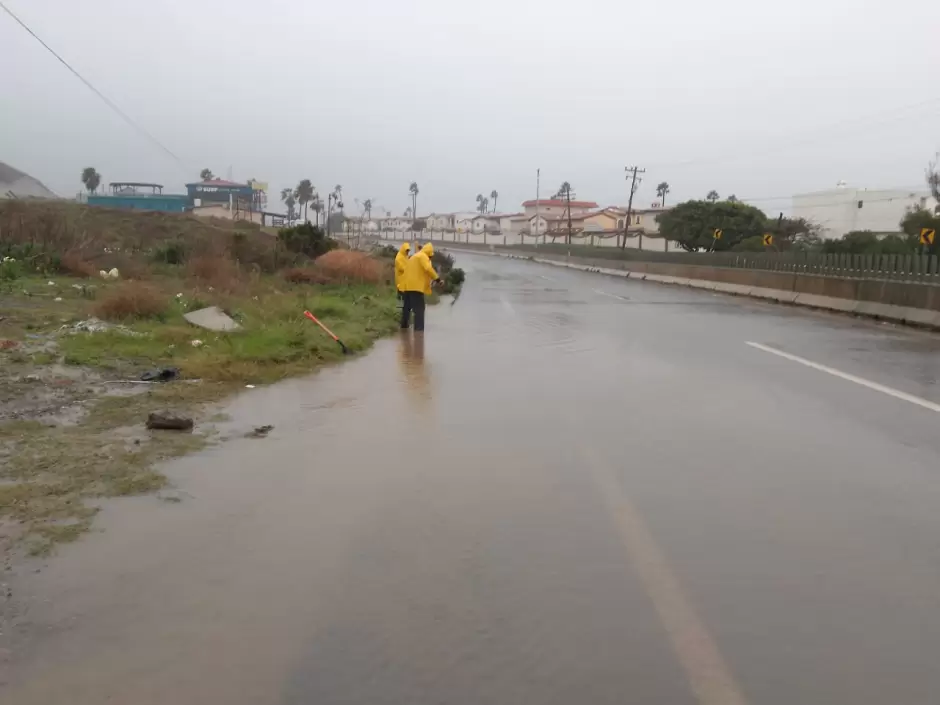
(73, 409)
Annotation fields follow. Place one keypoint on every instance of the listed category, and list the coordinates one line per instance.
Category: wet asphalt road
(574, 489)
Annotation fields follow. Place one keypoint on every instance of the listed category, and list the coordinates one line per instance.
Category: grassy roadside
(70, 433)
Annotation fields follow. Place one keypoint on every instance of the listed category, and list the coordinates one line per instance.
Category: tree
(408, 212)
(692, 224)
(661, 190)
(712, 196)
(733, 199)
(564, 190)
(481, 204)
(413, 190)
(419, 225)
(206, 175)
(304, 194)
(914, 222)
(91, 178)
(494, 195)
(317, 206)
(933, 177)
(367, 208)
(287, 195)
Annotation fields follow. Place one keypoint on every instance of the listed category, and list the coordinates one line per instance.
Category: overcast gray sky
(747, 97)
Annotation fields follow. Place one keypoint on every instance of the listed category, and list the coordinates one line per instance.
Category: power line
(107, 101)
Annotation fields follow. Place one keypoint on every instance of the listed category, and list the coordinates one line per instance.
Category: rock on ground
(211, 318)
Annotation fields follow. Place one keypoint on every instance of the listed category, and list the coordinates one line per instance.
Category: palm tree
(304, 194)
(91, 178)
(712, 196)
(206, 175)
(481, 204)
(317, 206)
(367, 207)
(338, 195)
(564, 190)
(494, 195)
(413, 190)
(661, 190)
(287, 195)
(733, 199)
(408, 212)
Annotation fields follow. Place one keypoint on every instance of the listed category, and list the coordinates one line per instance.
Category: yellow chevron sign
(928, 236)
(768, 239)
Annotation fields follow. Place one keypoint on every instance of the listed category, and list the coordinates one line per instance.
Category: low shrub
(305, 275)
(173, 252)
(307, 240)
(131, 300)
(350, 266)
(73, 264)
(217, 270)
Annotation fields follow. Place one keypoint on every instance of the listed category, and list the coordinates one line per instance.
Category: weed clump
(348, 266)
(132, 300)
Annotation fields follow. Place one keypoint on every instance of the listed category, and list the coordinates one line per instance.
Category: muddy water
(553, 496)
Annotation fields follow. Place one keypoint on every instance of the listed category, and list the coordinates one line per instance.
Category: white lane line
(542, 276)
(613, 296)
(890, 391)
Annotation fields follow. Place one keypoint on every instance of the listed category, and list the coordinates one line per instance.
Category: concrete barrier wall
(892, 293)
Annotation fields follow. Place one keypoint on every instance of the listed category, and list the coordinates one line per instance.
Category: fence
(925, 268)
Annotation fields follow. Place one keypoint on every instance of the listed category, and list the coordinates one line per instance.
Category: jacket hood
(428, 249)
(404, 248)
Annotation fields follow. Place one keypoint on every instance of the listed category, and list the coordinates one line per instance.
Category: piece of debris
(196, 343)
(259, 432)
(51, 283)
(212, 318)
(57, 299)
(163, 374)
(8, 344)
(249, 386)
(169, 421)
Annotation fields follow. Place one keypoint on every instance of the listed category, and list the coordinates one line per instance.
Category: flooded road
(573, 489)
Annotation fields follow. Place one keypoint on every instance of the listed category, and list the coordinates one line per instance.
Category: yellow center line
(708, 674)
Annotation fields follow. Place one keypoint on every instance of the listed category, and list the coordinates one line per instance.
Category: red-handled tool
(328, 331)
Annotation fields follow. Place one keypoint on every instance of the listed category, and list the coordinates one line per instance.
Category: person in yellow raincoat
(401, 259)
(415, 285)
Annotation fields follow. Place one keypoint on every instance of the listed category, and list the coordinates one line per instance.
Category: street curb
(920, 317)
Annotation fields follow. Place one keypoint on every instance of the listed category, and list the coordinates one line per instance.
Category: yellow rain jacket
(419, 273)
(401, 259)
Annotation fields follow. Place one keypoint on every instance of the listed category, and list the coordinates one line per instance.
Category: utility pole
(568, 203)
(632, 171)
(538, 175)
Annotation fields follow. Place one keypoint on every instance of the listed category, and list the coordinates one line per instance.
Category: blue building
(141, 196)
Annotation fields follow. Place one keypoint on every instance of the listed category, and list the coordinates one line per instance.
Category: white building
(440, 221)
(463, 222)
(488, 222)
(841, 210)
(554, 207)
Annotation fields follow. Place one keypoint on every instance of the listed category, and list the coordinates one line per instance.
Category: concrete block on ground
(212, 318)
(637, 275)
(700, 284)
(827, 302)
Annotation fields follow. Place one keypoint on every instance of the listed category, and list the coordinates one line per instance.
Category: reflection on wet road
(571, 489)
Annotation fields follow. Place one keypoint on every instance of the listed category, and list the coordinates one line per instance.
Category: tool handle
(314, 319)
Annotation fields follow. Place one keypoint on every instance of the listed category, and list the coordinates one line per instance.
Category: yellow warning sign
(928, 236)
(718, 233)
(768, 239)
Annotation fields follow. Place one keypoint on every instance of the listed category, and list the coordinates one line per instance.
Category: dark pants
(412, 301)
